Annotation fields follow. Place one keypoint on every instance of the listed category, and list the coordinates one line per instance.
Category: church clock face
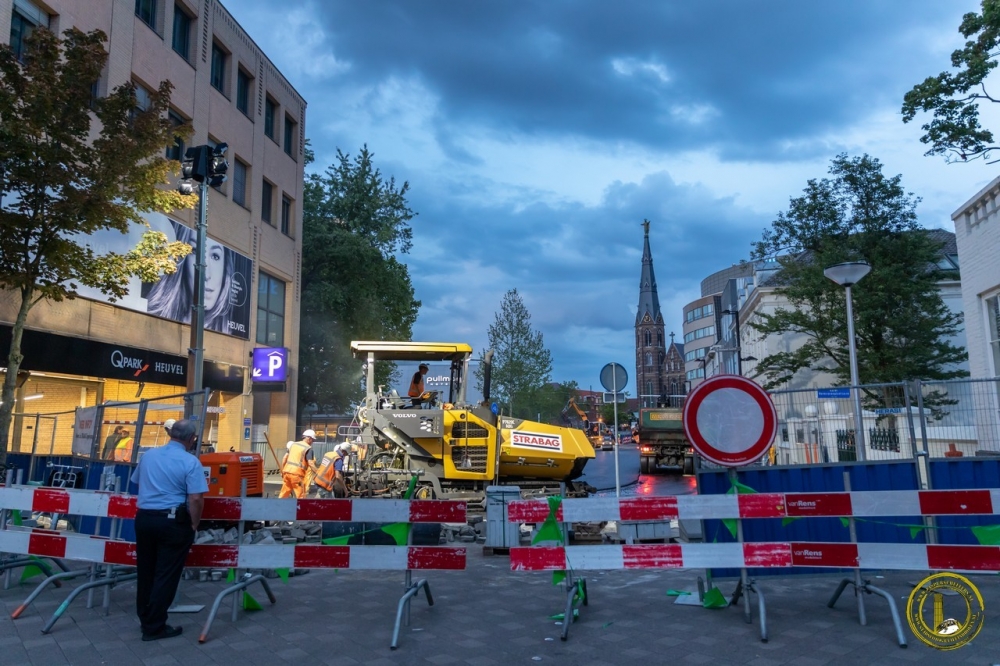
(646, 319)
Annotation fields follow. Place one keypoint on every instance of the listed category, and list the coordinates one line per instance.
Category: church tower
(650, 348)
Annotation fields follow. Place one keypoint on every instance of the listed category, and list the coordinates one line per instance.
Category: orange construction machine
(225, 472)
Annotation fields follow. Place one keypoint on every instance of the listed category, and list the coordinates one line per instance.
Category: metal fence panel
(960, 417)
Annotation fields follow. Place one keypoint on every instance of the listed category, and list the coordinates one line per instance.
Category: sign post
(613, 378)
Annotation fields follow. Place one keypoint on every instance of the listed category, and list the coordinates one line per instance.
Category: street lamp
(847, 275)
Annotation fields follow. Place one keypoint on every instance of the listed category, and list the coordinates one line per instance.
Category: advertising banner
(227, 280)
(84, 430)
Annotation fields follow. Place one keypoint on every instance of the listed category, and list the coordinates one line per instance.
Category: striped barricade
(741, 555)
(100, 550)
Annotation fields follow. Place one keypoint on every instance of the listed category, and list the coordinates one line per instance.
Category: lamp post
(847, 275)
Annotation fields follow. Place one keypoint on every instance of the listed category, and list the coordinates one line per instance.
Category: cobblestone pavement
(488, 615)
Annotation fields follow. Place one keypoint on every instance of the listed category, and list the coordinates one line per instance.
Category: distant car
(608, 444)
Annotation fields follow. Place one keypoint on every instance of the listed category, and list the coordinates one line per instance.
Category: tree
(902, 324)
(955, 97)
(57, 185)
(608, 414)
(521, 363)
(353, 286)
(547, 402)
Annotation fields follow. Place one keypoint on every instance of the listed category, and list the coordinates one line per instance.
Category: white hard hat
(168, 424)
(309, 433)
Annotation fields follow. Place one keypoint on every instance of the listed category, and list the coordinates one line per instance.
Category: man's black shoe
(166, 632)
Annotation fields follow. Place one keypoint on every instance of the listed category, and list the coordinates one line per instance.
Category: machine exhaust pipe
(487, 373)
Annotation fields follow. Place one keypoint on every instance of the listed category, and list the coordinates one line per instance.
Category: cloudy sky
(536, 136)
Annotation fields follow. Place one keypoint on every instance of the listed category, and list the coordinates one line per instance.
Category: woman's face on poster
(215, 271)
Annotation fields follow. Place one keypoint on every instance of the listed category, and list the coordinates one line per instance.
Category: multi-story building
(88, 351)
(702, 324)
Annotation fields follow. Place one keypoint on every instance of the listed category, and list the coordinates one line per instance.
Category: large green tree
(521, 363)
(355, 223)
(71, 165)
(548, 401)
(956, 97)
(902, 324)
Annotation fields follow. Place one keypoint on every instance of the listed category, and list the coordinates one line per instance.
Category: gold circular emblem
(946, 622)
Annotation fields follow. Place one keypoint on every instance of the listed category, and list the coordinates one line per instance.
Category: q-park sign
(270, 364)
(730, 420)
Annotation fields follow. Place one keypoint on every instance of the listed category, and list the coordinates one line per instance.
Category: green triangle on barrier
(785, 522)
(249, 603)
(740, 488)
(580, 595)
(231, 576)
(730, 524)
(845, 522)
(17, 518)
(282, 574)
(337, 541)
(562, 616)
(550, 531)
(676, 593)
(714, 599)
(987, 535)
(399, 532)
(915, 530)
(30, 572)
(558, 577)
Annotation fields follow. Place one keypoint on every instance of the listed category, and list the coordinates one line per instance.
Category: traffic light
(219, 166)
(194, 168)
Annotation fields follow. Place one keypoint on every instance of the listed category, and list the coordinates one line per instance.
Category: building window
(993, 324)
(243, 92)
(290, 136)
(176, 151)
(270, 310)
(286, 215)
(649, 339)
(649, 360)
(699, 334)
(181, 40)
(26, 17)
(270, 108)
(267, 202)
(146, 11)
(218, 69)
(696, 374)
(240, 183)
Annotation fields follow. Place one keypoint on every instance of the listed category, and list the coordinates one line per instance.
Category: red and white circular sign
(730, 420)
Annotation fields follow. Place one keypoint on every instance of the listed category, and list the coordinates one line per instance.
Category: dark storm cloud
(753, 80)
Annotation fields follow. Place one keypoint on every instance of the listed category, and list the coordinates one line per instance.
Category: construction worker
(297, 462)
(123, 449)
(330, 476)
(416, 391)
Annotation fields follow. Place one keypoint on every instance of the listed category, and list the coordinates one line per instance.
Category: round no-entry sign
(730, 420)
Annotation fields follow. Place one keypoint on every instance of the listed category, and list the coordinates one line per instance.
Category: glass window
(146, 11)
(993, 324)
(286, 215)
(176, 151)
(266, 201)
(240, 183)
(269, 111)
(270, 310)
(243, 91)
(143, 98)
(707, 310)
(26, 17)
(289, 136)
(181, 40)
(218, 68)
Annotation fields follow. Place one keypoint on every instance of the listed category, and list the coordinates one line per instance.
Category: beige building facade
(88, 351)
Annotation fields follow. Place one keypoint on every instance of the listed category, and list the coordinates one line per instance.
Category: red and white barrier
(111, 505)
(861, 504)
(894, 556)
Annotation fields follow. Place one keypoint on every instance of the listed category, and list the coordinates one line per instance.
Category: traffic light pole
(196, 353)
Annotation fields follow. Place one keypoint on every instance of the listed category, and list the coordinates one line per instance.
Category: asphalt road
(600, 473)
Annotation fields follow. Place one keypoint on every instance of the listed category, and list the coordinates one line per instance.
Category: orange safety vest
(416, 385)
(295, 459)
(327, 473)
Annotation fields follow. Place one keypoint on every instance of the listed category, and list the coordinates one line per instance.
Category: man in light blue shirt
(172, 489)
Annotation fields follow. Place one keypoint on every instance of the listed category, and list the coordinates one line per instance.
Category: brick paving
(487, 615)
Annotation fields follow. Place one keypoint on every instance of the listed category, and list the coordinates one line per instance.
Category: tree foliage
(954, 98)
(902, 325)
(355, 222)
(547, 402)
(521, 363)
(72, 165)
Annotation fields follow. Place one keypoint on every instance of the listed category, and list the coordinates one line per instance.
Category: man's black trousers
(161, 546)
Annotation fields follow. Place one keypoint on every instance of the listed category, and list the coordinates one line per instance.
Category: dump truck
(454, 447)
(662, 442)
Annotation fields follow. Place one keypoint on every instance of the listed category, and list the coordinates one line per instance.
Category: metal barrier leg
(761, 609)
(238, 587)
(403, 609)
(892, 608)
(840, 590)
(66, 575)
(112, 579)
(568, 615)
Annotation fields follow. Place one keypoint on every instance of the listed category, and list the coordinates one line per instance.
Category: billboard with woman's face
(227, 279)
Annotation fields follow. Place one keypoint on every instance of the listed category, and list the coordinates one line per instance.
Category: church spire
(649, 302)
